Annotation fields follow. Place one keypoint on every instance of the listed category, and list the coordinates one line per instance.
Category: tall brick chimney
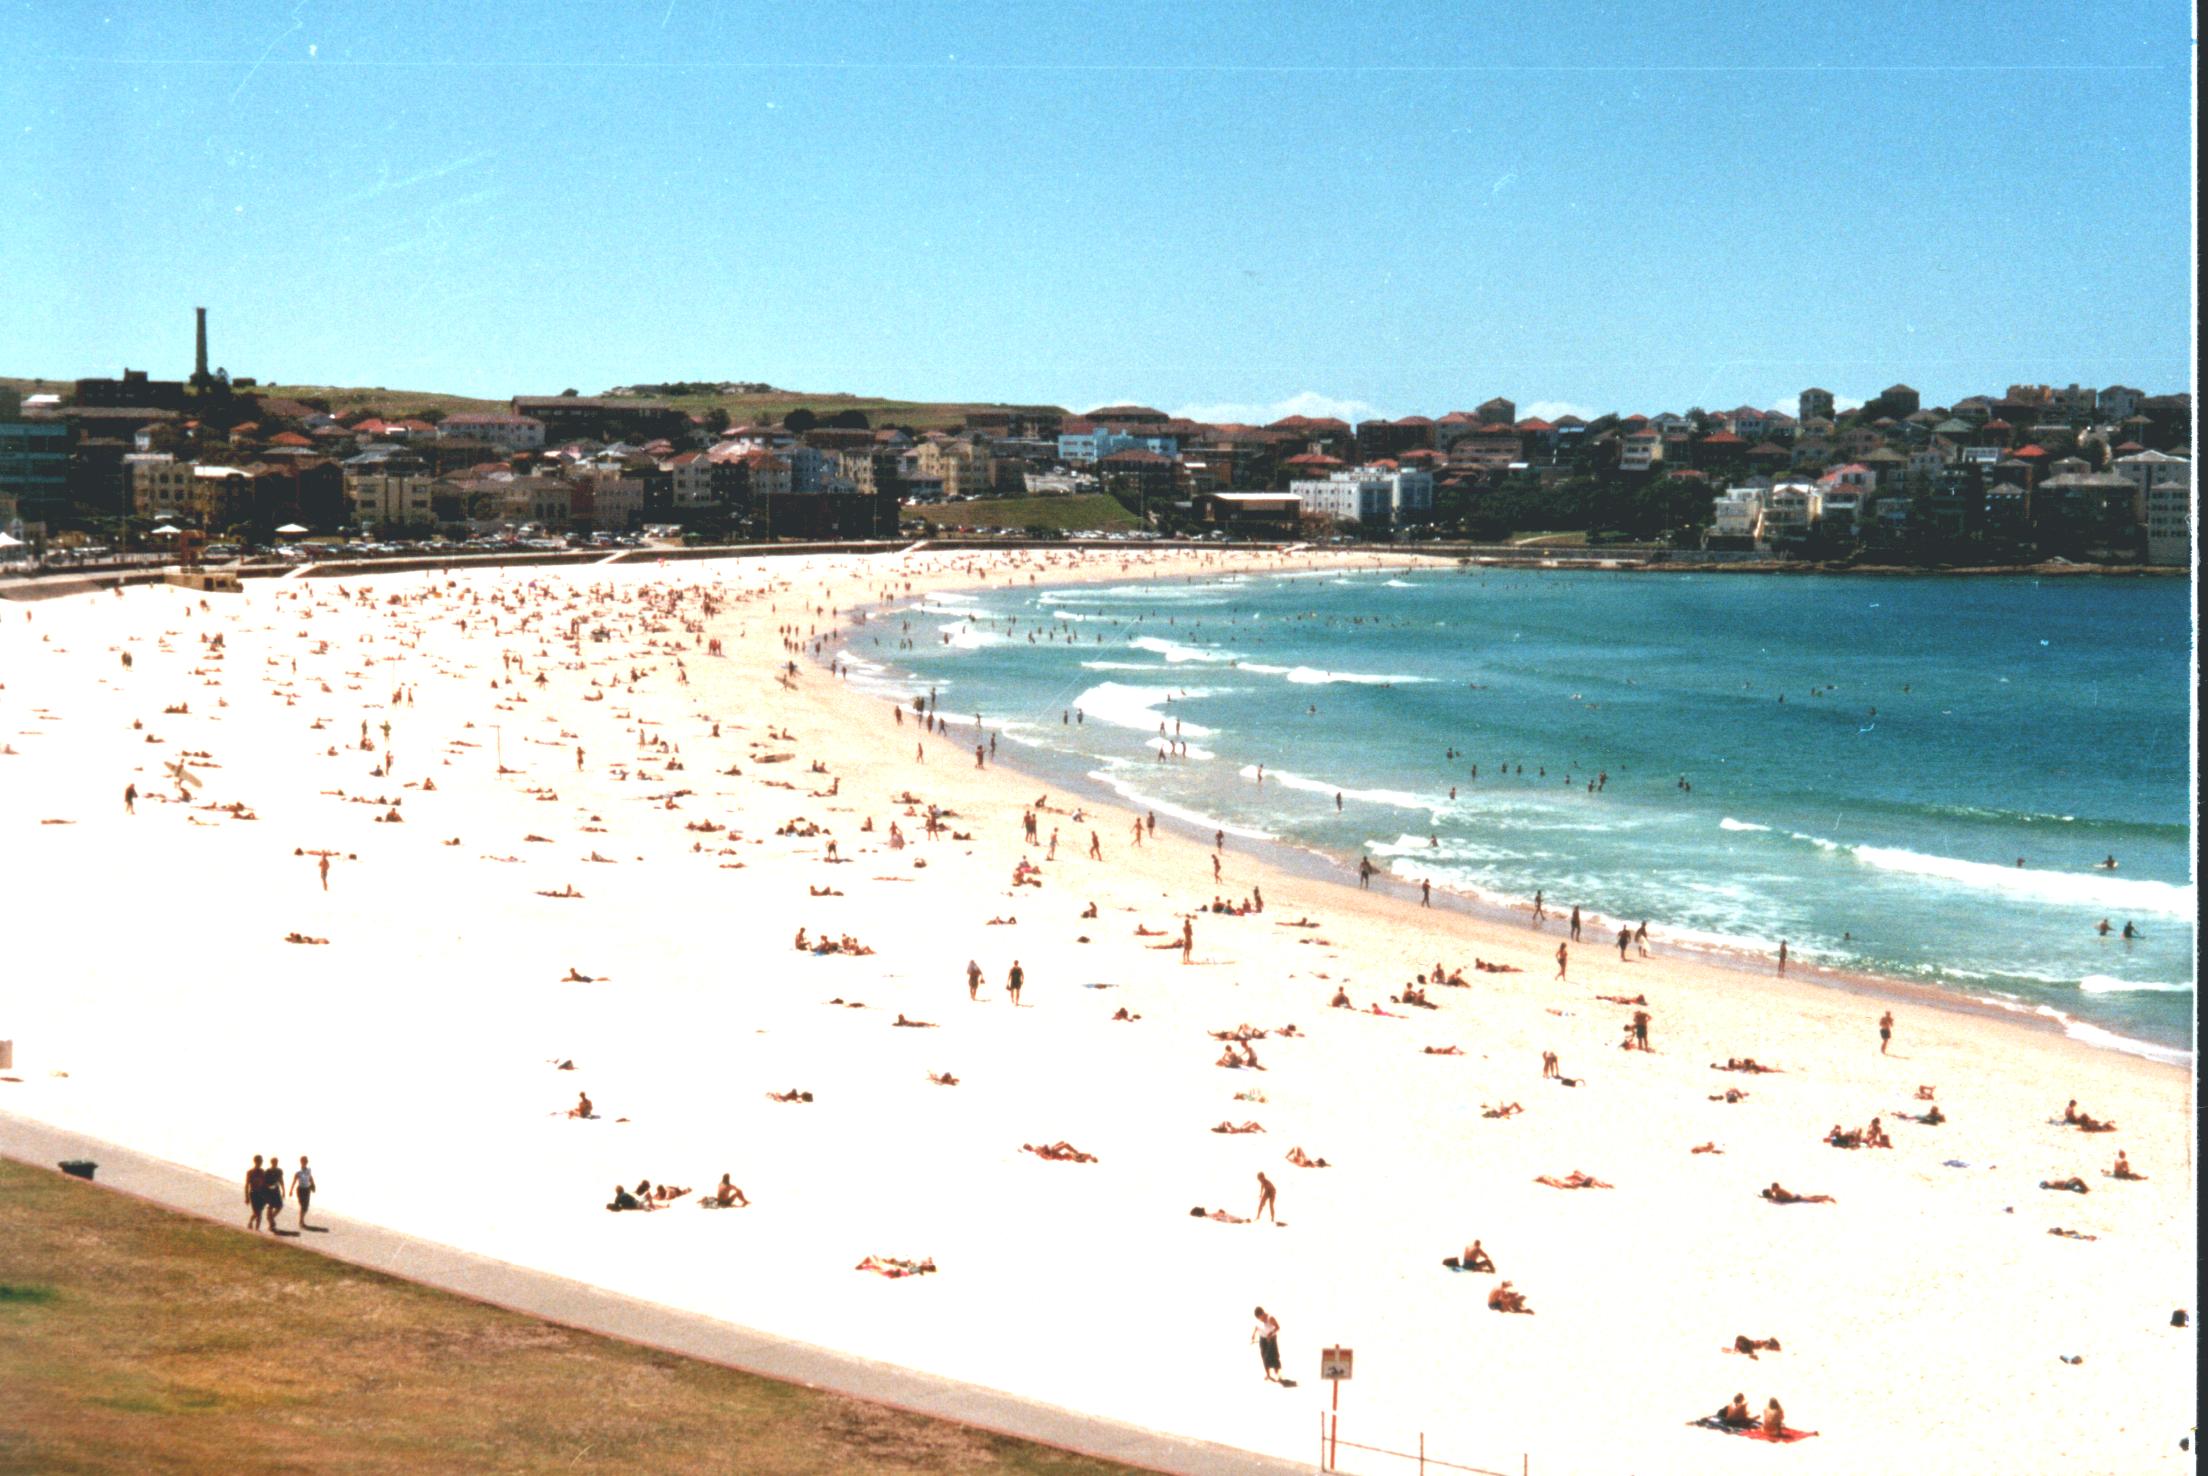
(199, 360)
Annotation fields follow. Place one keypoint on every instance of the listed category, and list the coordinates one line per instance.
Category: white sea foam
(1123, 705)
(2084, 889)
(1729, 823)
(966, 635)
(1400, 799)
(1176, 652)
(1151, 666)
(1312, 676)
(1452, 848)
(2103, 984)
(1119, 777)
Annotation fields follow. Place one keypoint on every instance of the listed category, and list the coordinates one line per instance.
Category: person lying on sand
(1574, 1180)
(624, 1200)
(1930, 1117)
(1503, 1298)
(661, 1194)
(1485, 967)
(2123, 1169)
(582, 1107)
(2074, 1184)
(1386, 1014)
(1001, 922)
(1710, 1147)
(1849, 1138)
(1247, 1127)
(912, 1024)
(823, 892)
(943, 1078)
(1744, 1063)
(577, 976)
(1735, 1094)
(303, 938)
(566, 891)
(1200, 1213)
(1751, 1346)
(1638, 999)
(893, 1268)
(1502, 1109)
(2085, 1121)
(1301, 922)
(725, 1196)
(1444, 1050)
(1304, 1160)
(1059, 1152)
(2070, 1234)
(1780, 1194)
(1123, 1013)
(1243, 1032)
(792, 1095)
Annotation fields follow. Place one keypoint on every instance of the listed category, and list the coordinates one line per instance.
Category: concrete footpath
(573, 1304)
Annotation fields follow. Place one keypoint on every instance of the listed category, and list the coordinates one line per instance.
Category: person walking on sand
(1266, 1197)
(1575, 924)
(1540, 913)
(1625, 937)
(302, 1189)
(1014, 978)
(1096, 847)
(1425, 892)
(973, 979)
(1563, 958)
(1782, 956)
(324, 867)
(1267, 1337)
(272, 1190)
(130, 807)
(1885, 1031)
(1640, 938)
(1364, 874)
(253, 1185)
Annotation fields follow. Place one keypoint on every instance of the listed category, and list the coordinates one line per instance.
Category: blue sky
(1234, 207)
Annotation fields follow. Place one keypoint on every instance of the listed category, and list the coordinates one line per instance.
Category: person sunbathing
(1874, 1136)
(1288, 1029)
(1089, 912)
(1224, 1218)
(1574, 1180)
(1751, 1346)
(2070, 1234)
(1710, 1147)
(303, 938)
(1247, 1127)
(1844, 1138)
(1504, 1109)
(823, 892)
(893, 1268)
(1228, 1058)
(912, 1024)
(1735, 1416)
(1143, 931)
(1774, 1420)
(1735, 1094)
(1503, 1298)
(1444, 1050)
(792, 1095)
(1001, 922)
(566, 891)
(1743, 1063)
(725, 1196)
(577, 976)
(1125, 1014)
(667, 1193)
(1376, 1010)
(1638, 999)
(943, 1078)
(1924, 1094)
(1475, 1258)
(1304, 1160)
(1340, 1001)
(2074, 1184)
(1059, 1152)
(582, 1107)
(624, 1200)
(1780, 1194)
(2123, 1169)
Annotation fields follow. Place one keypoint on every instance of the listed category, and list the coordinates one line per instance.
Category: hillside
(770, 405)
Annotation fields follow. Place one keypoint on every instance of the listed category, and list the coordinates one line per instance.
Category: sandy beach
(622, 790)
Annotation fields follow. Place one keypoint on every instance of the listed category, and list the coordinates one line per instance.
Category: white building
(2165, 486)
(1369, 494)
(388, 498)
(507, 432)
(1789, 511)
(1736, 513)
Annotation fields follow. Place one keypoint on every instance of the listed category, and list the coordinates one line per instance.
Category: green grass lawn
(1088, 513)
(137, 1340)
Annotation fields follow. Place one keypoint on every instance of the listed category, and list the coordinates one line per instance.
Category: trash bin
(79, 1168)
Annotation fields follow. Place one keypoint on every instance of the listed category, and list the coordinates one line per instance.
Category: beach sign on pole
(1335, 1363)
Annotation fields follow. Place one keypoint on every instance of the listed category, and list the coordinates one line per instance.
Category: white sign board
(1334, 1363)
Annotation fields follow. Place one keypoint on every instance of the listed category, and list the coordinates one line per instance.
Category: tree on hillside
(716, 419)
(799, 421)
(849, 420)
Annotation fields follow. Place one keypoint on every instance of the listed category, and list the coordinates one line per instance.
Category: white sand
(1922, 1320)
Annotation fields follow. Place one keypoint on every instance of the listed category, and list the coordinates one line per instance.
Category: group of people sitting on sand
(1247, 1057)
(1027, 874)
(2084, 1121)
(648, 1196)
(824, 945)
(1244, 1127)
(1413, 995)
(1873, 1136)
(1750, 1347)
(1737, 1416)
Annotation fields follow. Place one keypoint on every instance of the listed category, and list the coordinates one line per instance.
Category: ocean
(1856, 765)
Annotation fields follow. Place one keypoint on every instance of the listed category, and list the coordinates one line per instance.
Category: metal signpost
(1334, 1367)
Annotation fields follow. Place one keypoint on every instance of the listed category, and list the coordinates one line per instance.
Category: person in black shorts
(1885, 1031)
(1013, 979)
(272, 1191)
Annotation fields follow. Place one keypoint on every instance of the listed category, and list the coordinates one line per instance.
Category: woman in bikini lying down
(1574, 1180)
(1780, 1194)
(1301, 1159)
(1247, 1127)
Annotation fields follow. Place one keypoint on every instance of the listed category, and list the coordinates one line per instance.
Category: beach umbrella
(291, 528)
(9, 540)
(164, 531)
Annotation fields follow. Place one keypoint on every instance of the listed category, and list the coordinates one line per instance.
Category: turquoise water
(1931, 733)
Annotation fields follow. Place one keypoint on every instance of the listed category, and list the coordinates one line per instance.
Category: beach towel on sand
(1787, 1433)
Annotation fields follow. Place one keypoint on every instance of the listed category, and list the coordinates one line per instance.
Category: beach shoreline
(430, 1024)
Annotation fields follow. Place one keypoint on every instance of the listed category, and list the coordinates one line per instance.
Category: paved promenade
(573, 1304)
